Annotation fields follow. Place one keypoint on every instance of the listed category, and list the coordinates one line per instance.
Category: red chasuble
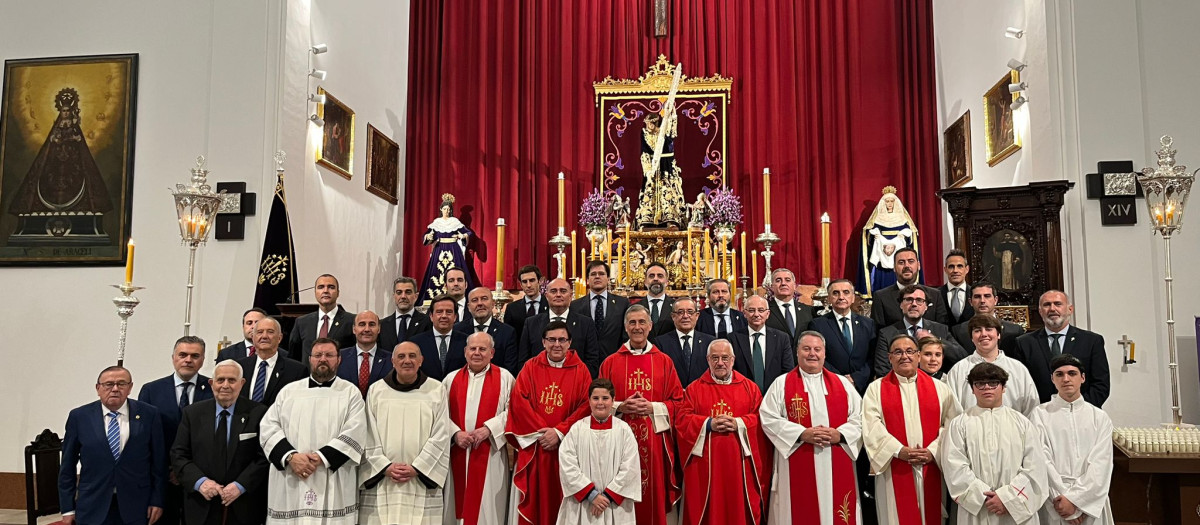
(713, 493)
(468, 492)
(802, 463)
(903, 483)
(653, 374)
(544, 396)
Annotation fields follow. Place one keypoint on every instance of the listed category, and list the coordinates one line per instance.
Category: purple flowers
(595, 211)
(726, 209)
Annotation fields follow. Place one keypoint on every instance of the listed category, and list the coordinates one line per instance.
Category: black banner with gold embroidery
(276, 280)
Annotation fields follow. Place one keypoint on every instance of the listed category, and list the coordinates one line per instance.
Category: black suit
(779, 356)
(1033, 349)
(885, 306)
(284, 372)
(341, 329)
(238, 350)
(195, 455)
(967, 310)
(1009, 332)
(952, 352)
(707, 322)
(688, 369)
(583, 340)
(504, 337)
(803, 314)
(455, 355)
(611, 334)
(389, 335)
(515, 313)
(664, 323)
(855, 361)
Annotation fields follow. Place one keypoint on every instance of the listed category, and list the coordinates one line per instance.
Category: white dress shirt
(254, 373)
(195, 382)
(370, 357)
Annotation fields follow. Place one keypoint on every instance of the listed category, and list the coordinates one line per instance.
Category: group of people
(596, 410)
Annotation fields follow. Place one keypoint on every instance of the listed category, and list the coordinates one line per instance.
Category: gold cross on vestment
(798, 408)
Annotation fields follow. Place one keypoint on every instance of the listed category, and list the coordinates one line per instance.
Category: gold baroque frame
(998, 94)
(346, 170)
(658, 80)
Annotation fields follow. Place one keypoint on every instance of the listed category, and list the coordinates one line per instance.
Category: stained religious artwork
(1007, 259)
(998, 128)
(66, 159)
(337, 135)
(383, 165)
(958, 151)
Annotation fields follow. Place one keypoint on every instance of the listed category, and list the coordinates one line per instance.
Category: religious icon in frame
(957, 144)
(998, 127)
(66, 160)
(383, 165)
(337, 135)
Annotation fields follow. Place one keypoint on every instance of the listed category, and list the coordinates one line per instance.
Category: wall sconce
(319, 48)
(1013, 64)
(1013, 32)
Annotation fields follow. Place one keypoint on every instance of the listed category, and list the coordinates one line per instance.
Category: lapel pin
(243, 420)
(276, 374)
(139, 416)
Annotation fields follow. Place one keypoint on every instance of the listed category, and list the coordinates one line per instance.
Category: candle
(129, 263)
(1158, 216)
(743, 252)
(582, 264)
(767, 198)
(628, 259)
(562, 203)
(500, 253)
(571, 255)
(691, 259)
(733, 279)
(754, 269)
(706, 254)
(608, 246)
(825, 248)
(1170, 213)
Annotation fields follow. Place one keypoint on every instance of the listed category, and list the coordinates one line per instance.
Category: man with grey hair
(686, 346)
(480, 318)
(406, 321)
(788, 314)
(266, 372)
(647, 393)
(1036, 349)
(719, 319)
(764, 353)
(217, 457)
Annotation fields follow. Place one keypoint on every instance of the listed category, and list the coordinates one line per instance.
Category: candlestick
(767, 197)
(754, 268)
(125, 304)
(825, 263)
(562, 203)
(500, 253)
(129, 263)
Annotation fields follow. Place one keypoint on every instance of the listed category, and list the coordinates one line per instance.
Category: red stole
(904, 486)
(802, 463)
(468, 493)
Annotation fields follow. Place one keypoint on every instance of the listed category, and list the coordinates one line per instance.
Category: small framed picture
(383, 165)
(958, 151)
(1001, 134)
(337, 135)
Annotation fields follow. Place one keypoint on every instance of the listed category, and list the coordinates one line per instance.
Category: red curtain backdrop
(836, 97)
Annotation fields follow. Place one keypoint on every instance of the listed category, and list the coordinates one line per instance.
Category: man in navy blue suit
(480, 310)
(849, 337)
(117, 445)
(365, 363)
(245, 347)
(443, 348)
(686, 346)
(170, 395)
(763, 353)
(534, 302)
(719, 319)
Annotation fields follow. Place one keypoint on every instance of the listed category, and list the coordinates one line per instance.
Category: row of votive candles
(1159, 440)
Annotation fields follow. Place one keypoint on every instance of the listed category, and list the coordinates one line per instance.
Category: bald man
(583, 331)
(481, 309)
(365, 362)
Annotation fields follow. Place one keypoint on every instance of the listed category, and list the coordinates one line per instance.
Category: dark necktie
(222, 435)
(480, 328)
(846, 332)
(759, 368)
(260, 383)
(531, 308)
(183, 398)
(787, 315)
(722, 332)
(443, 349)
(654, 311)
(598, 313)
(1055, 347)
(687, 348)
(250, 350)
(912, 330)
(402, 328)
(324, 326)
(956, 306)
(364, 374)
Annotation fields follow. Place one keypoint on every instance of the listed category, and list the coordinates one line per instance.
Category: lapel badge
(139, 416)
(243, 420)
(276, 374)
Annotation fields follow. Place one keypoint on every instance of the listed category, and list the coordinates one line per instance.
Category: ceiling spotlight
(1012, 64)
(317, 120)
(1011, 32)
(318, 98)
(318, 74)
(322, 48)
(1020, 101)
(1017, 88)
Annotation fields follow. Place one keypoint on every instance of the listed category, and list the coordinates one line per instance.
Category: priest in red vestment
(648, 393)
(551, 394)
(722, 445)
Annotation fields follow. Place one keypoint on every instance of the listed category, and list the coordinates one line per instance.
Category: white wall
(1107, 78)
(227, 80)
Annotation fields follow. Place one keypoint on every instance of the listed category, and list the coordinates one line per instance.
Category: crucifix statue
(660, 18)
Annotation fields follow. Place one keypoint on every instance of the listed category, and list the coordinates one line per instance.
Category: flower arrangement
(594, 213)
(726, 209)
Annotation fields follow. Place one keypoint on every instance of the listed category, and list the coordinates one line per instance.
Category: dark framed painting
(383, 165)
(998, 128)
(337, 135)
(66, 160)
(957, 143)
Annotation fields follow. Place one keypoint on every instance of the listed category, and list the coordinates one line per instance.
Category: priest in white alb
(903, 414)
(1021, 393)
(477, 493)
(599, 466)
(408, 454)
(313, 435)
(992, 457)
(1077, 441)
(814, 419)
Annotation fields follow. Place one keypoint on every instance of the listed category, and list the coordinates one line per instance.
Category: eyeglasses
(899, 353)
(912, 300)
(556, 340)
(986, 385)
(109, 385)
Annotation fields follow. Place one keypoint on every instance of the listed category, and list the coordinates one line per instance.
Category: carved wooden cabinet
(1013, 238)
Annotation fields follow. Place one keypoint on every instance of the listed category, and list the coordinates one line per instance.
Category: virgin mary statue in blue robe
(889, 229)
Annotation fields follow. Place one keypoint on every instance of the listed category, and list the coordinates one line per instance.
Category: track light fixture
(317, 120)
(319, 48)
(1017, 88)
(318, 74)
(318, 98)
(1013, 64)
(1013, 32)
(1020, 101)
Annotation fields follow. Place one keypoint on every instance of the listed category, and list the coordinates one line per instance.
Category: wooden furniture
(42, 459)
(1155, 488)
